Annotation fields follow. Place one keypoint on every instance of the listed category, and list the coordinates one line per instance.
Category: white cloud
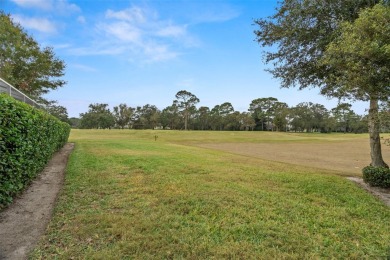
(81, 19)
(212, 12)
(142, 35)
(133, 15)
(59, 6)
(38, 24)
(65, 7)
(156, 53)
(122, 31)
(39, 4)
(82, 67)
(61, 46)
(172, 31)
(98, 49)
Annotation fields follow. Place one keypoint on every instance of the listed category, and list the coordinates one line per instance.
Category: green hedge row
(28, 139)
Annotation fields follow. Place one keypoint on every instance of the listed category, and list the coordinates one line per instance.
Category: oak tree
(358, 64)
(98, 116)
(303, 32)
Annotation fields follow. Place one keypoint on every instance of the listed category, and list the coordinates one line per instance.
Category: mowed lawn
(130, 195)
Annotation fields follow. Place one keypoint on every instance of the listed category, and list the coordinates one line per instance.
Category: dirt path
(22, 224)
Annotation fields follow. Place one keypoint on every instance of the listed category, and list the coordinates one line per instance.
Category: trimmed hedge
(377, 176)
(28, 139)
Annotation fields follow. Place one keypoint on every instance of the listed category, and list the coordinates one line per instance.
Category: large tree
(146, 117)
(58, 111)
(186, 102)
(203, 118)
(358, 61)
(262, 110)
(98, 116)
(303, 30)
(123, 115)
(170, 116)
(343, 113)
(24, 64)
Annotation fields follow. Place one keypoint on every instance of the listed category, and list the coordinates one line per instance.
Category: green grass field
(127, 196)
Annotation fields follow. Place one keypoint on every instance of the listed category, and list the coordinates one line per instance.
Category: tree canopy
(301, 30)
(98, 116)
(358, 60)
(24, 64)
(340, 46)
(186, 102)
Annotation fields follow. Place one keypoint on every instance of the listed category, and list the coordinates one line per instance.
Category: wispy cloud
(212, 11)
(65, 8)
(82, 67)
(60, 6)
(45, 22)
(99, 47)
(133, 15)
(172, 31)
(38, 24)
(122, 31)
(81, 19)
(60, 46)
(139, 34)
(39, 4)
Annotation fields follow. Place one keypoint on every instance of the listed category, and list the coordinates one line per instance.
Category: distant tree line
(264, 114)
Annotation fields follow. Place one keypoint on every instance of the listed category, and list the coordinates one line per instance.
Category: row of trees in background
(264, 114)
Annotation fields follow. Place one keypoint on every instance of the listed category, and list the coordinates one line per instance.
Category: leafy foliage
(377, 176)
(302, 31)
(98, 116)
(146, 117)
(28, 138)
(384, 116)
(24, 64)
(267, 114)
(342, 47)
(186, 102)
(123, 115)
(358, 60)
(57, 111)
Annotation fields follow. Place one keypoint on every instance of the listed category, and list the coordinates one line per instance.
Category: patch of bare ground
(25, 220)
(348, 157)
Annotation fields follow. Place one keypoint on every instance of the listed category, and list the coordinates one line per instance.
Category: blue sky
(144, 52)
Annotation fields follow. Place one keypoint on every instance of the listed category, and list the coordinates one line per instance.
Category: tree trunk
(375, 141)
(185, 120)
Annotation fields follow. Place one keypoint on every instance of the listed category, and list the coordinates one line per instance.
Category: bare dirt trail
(24, 222)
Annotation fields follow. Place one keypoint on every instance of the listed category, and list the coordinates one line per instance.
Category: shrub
(377, 176)
(28, 139)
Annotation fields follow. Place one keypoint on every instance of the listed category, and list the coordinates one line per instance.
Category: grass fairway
(127, 196)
